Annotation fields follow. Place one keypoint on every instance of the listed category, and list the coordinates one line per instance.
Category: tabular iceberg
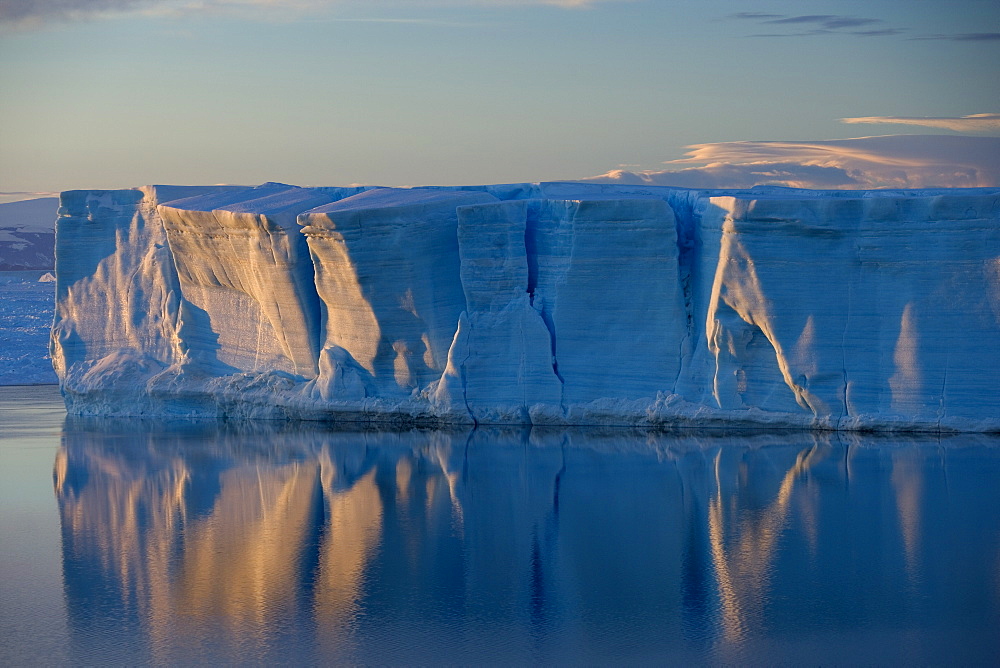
(545, 303)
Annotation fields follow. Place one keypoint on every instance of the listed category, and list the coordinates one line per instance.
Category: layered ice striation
(546, 303)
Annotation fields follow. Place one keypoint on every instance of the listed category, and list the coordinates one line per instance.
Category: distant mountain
(27, 234)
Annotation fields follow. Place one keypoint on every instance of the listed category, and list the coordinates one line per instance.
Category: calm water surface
(137, 542)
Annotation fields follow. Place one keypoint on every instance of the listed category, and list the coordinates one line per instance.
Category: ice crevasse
(538, 303)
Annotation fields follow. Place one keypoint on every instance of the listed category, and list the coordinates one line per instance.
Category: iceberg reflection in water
(283, 543)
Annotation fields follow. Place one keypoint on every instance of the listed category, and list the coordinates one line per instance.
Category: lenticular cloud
(893, 161)
(971, 123)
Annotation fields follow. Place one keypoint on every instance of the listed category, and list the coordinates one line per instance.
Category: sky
(121, 93)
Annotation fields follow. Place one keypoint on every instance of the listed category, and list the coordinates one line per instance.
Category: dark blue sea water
(127, 542)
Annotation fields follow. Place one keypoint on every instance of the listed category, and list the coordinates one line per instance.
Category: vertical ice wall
(573, 307)
(855, 312)
(501, 366)
(542, 303)
(604, 276)
(250, 302)
(116, 290)
(387, 274)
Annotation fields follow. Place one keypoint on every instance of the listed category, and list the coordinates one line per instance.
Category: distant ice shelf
(537, 303)
(27, 234)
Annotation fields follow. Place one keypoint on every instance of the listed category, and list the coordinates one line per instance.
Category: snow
(36, 216)
(27, 234)
(544, 303)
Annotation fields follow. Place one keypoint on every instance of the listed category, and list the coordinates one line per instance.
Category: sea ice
(25, 321)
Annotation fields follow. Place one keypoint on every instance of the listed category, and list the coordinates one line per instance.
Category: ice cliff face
(551, 303)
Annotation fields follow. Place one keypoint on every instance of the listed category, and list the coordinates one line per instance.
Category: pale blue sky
(416, 92)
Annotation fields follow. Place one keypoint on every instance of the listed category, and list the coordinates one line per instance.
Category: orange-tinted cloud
(894, 161)
(971, 123)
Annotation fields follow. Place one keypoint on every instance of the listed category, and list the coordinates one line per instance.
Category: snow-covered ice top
(541, 303)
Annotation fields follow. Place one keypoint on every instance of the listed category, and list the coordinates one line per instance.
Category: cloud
(727, 175)
(971, 123)
(894, 161)
(755, 15)
(822, 31)
(838, 22)
(26, 14)
(809, 18)
(877, 33)
(964, 37)
(822, 24)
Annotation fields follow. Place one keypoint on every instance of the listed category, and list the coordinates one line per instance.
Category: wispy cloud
(828, 21)
(963, 37)
(971, 123)
(894, 161)
(818, 24)
(841, 22)
(27, 14)
(878, 33)
(760, 16)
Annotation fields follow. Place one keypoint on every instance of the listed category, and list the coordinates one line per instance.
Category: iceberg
(387, 274)
(536, 303)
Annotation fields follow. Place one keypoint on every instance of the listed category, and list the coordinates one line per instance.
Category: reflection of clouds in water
(277, 542)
